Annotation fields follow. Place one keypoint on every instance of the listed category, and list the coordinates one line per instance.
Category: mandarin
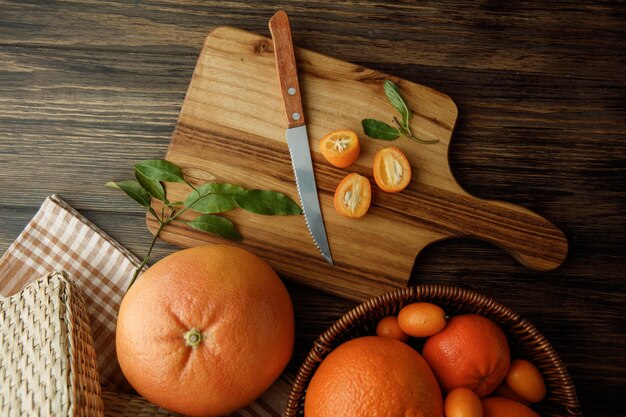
(471, 352)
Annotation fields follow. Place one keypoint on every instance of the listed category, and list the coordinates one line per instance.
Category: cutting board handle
(530, 238)
(286, 67)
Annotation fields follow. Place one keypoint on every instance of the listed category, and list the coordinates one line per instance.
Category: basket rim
(323, 344)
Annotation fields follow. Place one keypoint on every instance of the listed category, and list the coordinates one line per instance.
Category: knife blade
(297, 137)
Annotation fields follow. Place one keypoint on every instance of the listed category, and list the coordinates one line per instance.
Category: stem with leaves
(207, 199)
(381, 130)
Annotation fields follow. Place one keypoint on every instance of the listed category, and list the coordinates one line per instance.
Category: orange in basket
(525, 340)
(373, 376)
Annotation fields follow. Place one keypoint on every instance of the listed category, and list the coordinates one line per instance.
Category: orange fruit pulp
(421, 319)
(353, 196)
(392, 171)
(504, 407)
(462, 402)
(341, 148)
(525, 380)
(471, 352)
(373, 376)
(388, 327)
(205, 331)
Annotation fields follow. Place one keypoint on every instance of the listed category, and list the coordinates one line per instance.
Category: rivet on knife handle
(287, 70)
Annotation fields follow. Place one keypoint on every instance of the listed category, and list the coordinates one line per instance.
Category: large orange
(373, 377)
(205, 330)
(471, 352)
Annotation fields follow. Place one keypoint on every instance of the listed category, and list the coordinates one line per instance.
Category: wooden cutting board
(231, 128)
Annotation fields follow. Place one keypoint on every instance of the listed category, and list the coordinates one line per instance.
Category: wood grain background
(88, 87)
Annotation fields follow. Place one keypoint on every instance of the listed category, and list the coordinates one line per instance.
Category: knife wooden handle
(287, 70)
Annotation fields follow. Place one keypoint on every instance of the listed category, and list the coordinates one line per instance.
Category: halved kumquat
(392, 171)
(353, 196)
(341, 148)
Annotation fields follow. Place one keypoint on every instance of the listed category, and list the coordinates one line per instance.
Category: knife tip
(328, 258)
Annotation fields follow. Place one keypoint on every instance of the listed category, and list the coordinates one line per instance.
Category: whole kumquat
(388, 327)
(525, 380)
(421, 319)
(462, 402)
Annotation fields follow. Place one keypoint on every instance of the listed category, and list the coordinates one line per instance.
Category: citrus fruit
(388, 327)
(341, 148)
(525, 380)
(421, 319)
(504, 407)
(392, 171)
(373, 376)
(503, 390)
(471, 352)
(205, 331)
(462, 402)
(353, 196)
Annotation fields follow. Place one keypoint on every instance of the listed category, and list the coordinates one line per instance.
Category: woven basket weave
(127, 405)
(47, 359)
(525, 340)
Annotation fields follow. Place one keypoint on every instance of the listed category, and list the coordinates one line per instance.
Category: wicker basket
(524, 338)
(127, 405)
(47, 359)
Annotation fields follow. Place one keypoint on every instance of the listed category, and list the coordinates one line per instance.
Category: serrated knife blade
(298, 142)
(297, 137)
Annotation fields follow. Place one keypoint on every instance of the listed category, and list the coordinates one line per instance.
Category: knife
(297, 137)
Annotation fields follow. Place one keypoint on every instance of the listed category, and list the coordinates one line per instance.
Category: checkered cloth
(60, 238)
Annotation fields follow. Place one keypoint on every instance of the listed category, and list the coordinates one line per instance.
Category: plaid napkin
(60, 238)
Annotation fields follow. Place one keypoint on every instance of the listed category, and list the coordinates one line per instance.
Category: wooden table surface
(89, 87)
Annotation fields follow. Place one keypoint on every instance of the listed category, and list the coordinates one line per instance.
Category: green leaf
(395, 98)
(154, 187)
(216, 225)
(379, 130)
(223, 188)
(132, 189)
(160, 170)
(267, 202)
(212, 203)
(215, 197)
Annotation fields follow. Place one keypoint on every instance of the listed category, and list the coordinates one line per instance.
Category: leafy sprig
(208, 199)
(381, 130)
